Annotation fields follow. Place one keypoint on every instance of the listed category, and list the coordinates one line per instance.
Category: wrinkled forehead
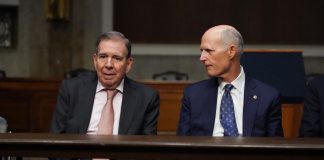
(211, 37)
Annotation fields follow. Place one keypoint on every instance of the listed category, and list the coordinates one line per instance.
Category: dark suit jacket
(261, 116)
(312, 124)
(139, 110)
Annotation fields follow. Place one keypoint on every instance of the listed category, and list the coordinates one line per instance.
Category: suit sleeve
(60, 114)
(310, 124)
(184, 120)
(151, 115)
(274, 121)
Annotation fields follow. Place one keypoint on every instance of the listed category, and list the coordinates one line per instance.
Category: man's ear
(94, 58)
(129, 64)
(232, 51)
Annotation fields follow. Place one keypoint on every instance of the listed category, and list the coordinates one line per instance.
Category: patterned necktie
(227, 115)
(106, 123)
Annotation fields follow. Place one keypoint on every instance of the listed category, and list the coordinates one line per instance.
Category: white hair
(230, 35)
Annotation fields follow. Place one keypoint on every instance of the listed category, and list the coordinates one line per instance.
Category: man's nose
(202, 56)
(109, 63)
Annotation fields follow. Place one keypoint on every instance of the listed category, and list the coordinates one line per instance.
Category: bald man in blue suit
(256, 105)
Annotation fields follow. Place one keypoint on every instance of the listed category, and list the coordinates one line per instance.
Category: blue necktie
(227, 115)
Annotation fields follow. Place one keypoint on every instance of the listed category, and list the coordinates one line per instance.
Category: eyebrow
(114, 53)
(207, 49)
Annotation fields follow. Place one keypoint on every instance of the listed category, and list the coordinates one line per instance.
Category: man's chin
(107, 82)
(110, 85)
(212, 74)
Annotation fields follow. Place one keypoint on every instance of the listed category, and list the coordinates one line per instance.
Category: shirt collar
(120, 87)
(238, 83)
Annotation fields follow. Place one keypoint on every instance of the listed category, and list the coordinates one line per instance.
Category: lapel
(86, 97)
(209, 103)
(250, 106)
(128, 106)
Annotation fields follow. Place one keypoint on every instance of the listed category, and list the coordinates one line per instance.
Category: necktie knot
(111, 93)
(228, 88)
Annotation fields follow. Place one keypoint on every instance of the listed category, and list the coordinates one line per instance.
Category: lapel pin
(255, 97)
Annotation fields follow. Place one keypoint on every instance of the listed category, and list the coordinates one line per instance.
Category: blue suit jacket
(261, 116)
(312, 124)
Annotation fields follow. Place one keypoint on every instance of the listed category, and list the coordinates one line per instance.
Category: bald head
(226, 34)
(220, 52)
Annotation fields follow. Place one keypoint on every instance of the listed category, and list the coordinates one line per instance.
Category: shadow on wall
(171, 76)
(2, 74)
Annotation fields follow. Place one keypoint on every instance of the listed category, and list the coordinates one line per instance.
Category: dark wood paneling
(28, 106)
(291, 118)
(15, 108)
(184, 21)
(170, 96)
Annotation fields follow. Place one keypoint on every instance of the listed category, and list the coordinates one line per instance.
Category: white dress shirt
(98, 104)
(237, 94)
